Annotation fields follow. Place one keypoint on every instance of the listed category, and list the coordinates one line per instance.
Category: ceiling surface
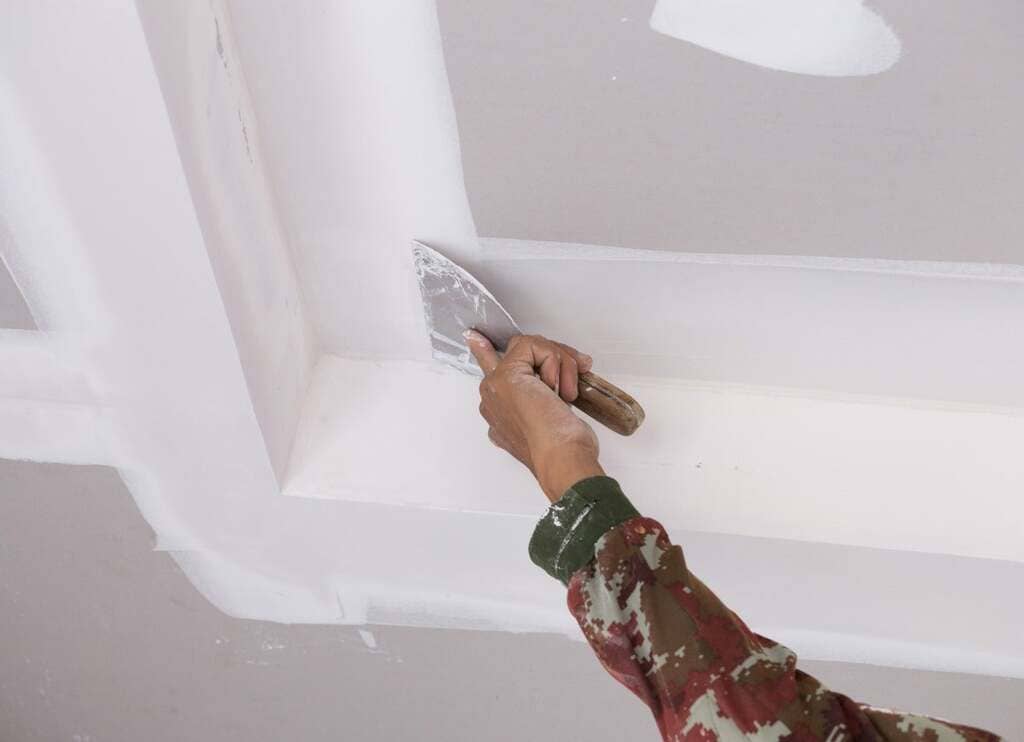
(581, 124)
(235, 329)
(104, 640)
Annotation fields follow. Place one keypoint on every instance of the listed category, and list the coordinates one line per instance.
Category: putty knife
(454, 301)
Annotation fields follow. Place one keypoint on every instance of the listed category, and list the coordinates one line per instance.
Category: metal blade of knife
(453, 302)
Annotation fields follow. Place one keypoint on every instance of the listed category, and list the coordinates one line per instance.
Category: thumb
(484, 353)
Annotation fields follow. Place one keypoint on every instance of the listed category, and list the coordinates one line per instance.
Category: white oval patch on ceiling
(834, 38)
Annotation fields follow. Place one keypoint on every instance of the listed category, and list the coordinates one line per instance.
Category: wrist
(562, 468)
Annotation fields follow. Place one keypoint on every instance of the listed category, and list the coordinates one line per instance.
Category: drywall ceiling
(105, 639)
(581, 124)
(236, 328)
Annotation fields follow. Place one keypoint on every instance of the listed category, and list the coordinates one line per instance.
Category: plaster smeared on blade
(453, 302)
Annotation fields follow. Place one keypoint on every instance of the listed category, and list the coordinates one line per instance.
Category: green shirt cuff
(564, 539)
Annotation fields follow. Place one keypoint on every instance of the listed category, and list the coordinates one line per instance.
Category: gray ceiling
(580, 126)
(105, 640)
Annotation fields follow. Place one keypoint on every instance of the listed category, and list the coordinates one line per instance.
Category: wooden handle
(608, 404)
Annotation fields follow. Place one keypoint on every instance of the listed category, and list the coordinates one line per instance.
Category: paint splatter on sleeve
(664, 635)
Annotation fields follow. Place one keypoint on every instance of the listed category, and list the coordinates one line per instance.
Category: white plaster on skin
(833, 38)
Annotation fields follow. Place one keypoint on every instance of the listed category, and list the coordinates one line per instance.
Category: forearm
(560, 469)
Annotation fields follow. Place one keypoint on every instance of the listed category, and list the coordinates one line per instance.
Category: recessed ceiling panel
(579, 123)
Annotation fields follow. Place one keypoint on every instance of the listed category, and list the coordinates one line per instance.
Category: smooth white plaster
(354, 108)
(773, 462)
(833, 38)
(146, 361)
(207, 97)
(939, 332)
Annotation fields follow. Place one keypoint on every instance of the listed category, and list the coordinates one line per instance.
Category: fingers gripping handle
(608, 404)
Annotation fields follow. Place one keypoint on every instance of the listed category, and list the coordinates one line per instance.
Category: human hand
(521, 398)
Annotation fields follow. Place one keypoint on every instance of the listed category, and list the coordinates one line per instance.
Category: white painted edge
(504, 249)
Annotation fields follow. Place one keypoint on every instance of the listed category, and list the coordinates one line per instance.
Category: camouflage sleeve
(663, 634)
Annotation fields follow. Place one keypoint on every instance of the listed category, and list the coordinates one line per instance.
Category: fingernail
(472, 335)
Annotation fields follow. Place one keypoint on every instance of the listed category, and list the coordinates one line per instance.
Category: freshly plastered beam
(362, 145)
(108, 249)
(217, 134)
(932, 331)
(42, 366)
(710, 457)
(58, 432)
